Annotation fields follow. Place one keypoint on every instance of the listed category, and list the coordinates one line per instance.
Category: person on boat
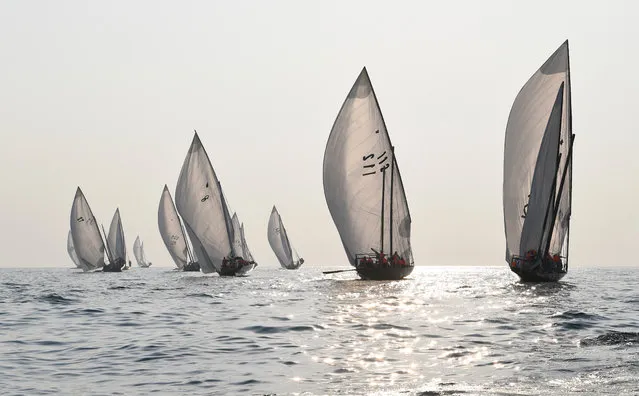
(383, 261)
(401, 261)
(531, 255)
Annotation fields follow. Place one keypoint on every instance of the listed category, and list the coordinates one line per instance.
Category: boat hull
(386, 273)
(192, 267)
(112, 268)
(237, 271)
(538, 276)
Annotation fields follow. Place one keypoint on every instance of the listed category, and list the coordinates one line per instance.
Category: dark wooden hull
(112, 268)
(237, 271)
(386, 273)
(192, 267)
(539, 276)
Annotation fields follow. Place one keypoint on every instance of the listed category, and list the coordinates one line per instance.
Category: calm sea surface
(444, 331)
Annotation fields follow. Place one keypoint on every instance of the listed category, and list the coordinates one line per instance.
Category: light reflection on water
(446, 330)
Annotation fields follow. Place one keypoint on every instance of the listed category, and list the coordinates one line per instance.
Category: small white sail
(247, 251)
(362, 184)
(199, 201)
(171, 230)
(115, 239)
(71, 251)
(137, 252)
(238, 246)
(87, 241)
(528, 123)
(278, 240)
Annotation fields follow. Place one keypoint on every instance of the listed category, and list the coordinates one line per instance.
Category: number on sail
(371, 162)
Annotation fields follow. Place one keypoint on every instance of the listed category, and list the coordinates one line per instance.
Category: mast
(383, 188)
(561, 187)
(391, 199)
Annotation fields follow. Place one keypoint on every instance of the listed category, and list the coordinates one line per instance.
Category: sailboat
(116, 245)
(364, 189)
(173, 234)
(85, 234)
(138, 253)
(278, 239)
(538, 173)
(73, 255)
(200, 202)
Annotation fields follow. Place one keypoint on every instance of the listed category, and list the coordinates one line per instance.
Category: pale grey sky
(106, 95)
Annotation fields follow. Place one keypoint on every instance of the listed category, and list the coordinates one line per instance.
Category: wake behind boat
(364, 190)
(538, 173)
(173, 234)
(278, 239)
(201, 204)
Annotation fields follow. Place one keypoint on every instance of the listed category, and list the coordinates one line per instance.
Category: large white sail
(527, 123)
(171, 230)
(278, 240)
(71, 251)
(115, 239)
(87, 241)
(199, 201)
(541, 201)
(359, 169)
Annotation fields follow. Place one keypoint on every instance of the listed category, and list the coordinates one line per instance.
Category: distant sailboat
(71, 251)
(87, 240)
(364, 189)
(173, 234)
(116, 244)
(200, 202)
(278, 239)
(138, 253)
(538, 173)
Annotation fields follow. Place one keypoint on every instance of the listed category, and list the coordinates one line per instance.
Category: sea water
(443, 331)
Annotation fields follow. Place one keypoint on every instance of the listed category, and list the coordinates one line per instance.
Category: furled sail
(71, 251)
(171, 230)
(199, 201)
(116, 238)
(360, 172)
(528, 123)
(278, 240)
(87, 241)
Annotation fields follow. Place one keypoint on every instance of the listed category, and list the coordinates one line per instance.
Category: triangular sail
(116, 240)
(526, 127)
(360, 169)
(71, 251)
(278, 240)
(137, 251)
(171, 230)
(87, 241)
(541, 201)
(247, 251)
(238, 246)
(199, 201)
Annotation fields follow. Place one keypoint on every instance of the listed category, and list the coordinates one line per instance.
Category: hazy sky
(105, 95)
